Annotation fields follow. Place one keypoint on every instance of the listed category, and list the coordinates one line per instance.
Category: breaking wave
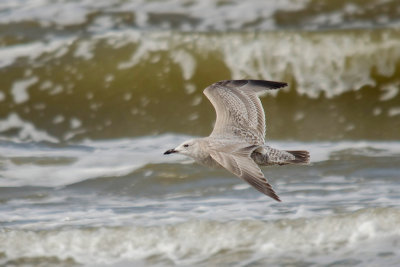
(49, 165)
(59, 94)
(365, 237)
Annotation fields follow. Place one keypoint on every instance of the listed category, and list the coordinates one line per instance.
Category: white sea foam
(390, 92)
(26, 130)
(322, 240)
(394, 111)
(84, 50)
(9, 54)
(186, 62)
(313, 58)
(58, 119)
(94, 159)
(20, 88)
(146, 46)
(207, 13)
(201, 15)
(329, 211)
(75, 123)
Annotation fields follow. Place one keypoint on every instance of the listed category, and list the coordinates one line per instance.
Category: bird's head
(188, 148)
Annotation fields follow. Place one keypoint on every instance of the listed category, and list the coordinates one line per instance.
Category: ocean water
(93, 92)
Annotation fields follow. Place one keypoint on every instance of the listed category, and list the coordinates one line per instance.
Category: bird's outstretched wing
(238, 108)
(239, 163)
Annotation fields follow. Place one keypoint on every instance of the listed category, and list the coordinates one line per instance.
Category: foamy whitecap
(84, 50)
(186, 62)
(32, 51)
(205, 15)
(389, 92)
(364, 235)
(20, 88)
(93, 159)
(90, 160)
(26, 131)
(312, 60)
(395, 111)
(328, 63)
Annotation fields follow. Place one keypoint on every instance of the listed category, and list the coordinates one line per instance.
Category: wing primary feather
(243, 167)
(252, 83)
(264, 187)
(267, 84)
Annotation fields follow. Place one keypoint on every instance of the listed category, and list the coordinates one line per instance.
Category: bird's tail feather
(301, 156)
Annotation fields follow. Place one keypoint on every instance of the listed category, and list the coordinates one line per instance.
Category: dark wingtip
(271, 193)
(256, 83)
(268, 84)
(276, 197)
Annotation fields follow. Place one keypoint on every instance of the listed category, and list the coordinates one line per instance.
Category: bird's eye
(185, 145)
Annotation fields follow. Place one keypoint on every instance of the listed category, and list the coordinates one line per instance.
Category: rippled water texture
(93, 92)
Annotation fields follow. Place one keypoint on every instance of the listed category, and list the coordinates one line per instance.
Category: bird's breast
(208, 161)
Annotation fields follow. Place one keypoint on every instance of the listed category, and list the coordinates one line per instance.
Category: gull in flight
(237, 142)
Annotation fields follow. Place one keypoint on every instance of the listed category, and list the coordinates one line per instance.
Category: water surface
(93, 92)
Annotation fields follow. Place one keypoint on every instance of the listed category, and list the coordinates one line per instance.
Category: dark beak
(170, 151)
